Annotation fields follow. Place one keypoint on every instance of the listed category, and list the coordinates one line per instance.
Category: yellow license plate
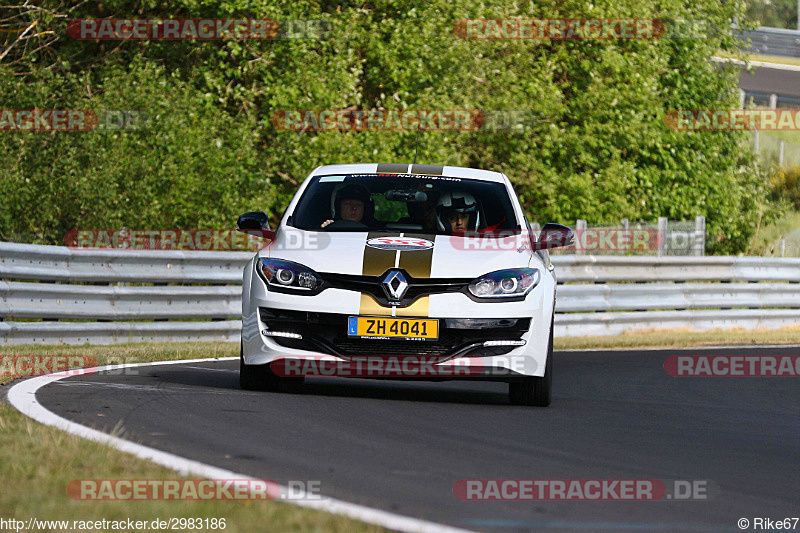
(392, 328)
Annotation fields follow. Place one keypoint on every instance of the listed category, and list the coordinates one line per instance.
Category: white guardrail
(54, 295)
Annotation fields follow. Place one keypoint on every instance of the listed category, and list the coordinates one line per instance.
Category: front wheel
(535, 390)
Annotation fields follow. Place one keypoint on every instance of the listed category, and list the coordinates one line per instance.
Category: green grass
(774, 59)
(680, 339)
(764, 58)
(38, 462)
(129, 353)
(788, 136)
(767, 241)
(769, 147)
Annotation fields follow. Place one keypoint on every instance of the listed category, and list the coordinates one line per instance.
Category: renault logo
(395, 285)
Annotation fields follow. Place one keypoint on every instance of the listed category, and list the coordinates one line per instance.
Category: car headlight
(511, 283)
(280, 273)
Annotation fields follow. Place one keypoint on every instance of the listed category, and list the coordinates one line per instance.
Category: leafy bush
(599, 149)
(785, 184)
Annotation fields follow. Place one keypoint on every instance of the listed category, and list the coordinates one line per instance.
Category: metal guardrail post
(662, 230)
(700, 235)
(580, 226)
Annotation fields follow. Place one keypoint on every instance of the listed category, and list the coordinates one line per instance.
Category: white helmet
(460, 202)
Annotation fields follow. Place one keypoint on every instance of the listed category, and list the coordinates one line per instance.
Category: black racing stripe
(392, 168)
(428, 170)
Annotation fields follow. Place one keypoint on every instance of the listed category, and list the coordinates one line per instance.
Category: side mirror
(554, 236)
(255, 220)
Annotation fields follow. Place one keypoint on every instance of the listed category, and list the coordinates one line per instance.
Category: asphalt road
(402, 446)
(770, 80)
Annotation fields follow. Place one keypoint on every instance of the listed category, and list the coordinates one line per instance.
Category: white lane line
(213, 369)
(142, 388)
(23, 397)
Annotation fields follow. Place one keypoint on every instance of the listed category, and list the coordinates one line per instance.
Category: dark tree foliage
(598, 148)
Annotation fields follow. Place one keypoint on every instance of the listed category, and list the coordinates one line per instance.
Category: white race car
(401, 271)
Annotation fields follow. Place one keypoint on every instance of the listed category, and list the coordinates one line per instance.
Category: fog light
(287, 334)
(504, 343)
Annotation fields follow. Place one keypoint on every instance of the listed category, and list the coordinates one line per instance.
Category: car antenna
(416, 149)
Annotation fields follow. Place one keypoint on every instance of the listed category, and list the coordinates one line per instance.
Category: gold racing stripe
(418, 262)
(372, 308)
(376, 262)
(418, 308)
(418, 265)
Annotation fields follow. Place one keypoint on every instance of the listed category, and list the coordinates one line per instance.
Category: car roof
(406, 168)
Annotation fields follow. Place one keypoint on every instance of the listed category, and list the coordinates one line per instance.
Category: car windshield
(403, 203)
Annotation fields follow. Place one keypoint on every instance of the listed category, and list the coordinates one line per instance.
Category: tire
(261, 377)
(534, 390)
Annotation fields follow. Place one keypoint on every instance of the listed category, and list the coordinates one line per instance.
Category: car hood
(421, 255)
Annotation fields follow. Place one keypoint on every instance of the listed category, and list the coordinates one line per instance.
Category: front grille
(327, 333)
(417, 287)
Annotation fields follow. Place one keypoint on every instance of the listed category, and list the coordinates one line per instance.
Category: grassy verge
(680, 339)
(765, 59)
(39, 462)
(767, 241)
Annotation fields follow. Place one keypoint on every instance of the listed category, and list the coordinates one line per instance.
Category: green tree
(597, 147)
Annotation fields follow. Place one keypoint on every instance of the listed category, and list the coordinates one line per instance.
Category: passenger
(458, 212)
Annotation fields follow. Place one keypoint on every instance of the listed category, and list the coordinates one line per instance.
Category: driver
(457, 212)
(352, 204)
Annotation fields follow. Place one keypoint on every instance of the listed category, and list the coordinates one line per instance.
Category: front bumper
(317, 329)
(326, 333)
(272, 334)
